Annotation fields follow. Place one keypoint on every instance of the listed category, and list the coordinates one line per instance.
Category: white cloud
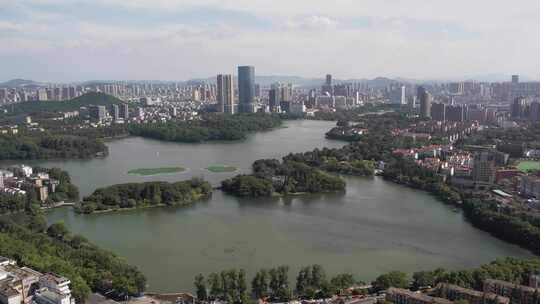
(314, 23)
(414, 38)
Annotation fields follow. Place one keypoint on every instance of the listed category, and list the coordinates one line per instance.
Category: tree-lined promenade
(312, 282)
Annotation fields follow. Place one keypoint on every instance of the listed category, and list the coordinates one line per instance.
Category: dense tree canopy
(514, 141)
(270, 176)
(210, 127)
(139, 195)
(44, 146)
(87, 266)
(392, 279)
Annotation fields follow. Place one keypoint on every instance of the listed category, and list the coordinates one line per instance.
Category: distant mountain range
(19, 83)
(307, 82)
(296, 80)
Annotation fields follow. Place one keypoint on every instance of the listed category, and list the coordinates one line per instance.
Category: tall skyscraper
(257, 90)
(246, 88)
(42, 95)
(515, 79)
(484, 168)
(425, 102)
(328, 86)
(115, 112)
(534, 111)
(287, 92)
(455, 113)
(518, 107)
(97, 112)
(438, 111)
(225, 93)
(3, 94)
(403, 95)
(124, 111)
(274, 97)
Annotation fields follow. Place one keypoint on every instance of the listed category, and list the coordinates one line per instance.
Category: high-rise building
(42, 95)
(478, 114)
(287, 92)
(403, 95)
(71, 92)
(225, 93)
(328, 87)
(455, 113)
(274, 97)
(515, 79)
(438, 111)
(534, 111)
(97, 112)
(257, 90)
(425, 102)
(115, 112)
(3, 94)
(518, 107)
(124, 111)
(246, 88)
(65, 93)
(484, 168)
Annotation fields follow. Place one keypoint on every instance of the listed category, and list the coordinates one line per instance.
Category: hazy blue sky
(62, 40)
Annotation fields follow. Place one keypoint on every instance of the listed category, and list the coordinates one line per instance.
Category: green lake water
(374, 227)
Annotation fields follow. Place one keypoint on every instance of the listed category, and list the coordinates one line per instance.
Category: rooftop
(418, 296)
(51, 277)
(473, 292)
(509, 284)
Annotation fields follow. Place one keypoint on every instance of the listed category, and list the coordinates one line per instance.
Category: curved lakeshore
(365, 230)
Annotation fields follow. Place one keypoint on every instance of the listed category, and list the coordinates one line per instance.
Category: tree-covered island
(272, 177)
(145, 195)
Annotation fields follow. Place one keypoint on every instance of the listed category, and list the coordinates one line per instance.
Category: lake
(375, 227)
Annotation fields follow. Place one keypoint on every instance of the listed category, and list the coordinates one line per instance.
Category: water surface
(374, 227)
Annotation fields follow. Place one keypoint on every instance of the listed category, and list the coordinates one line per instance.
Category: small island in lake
(145, 195)
(156, 171)
(221, 169)
(271, 177)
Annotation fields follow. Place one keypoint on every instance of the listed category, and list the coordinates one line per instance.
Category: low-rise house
(5, 261)
(22, 170)
(502, 174)
(454, 293)
(404, 296)
(517, 293)
(529, 185)
(22, 285)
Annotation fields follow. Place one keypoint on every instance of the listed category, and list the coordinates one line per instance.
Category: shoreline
(118, 210)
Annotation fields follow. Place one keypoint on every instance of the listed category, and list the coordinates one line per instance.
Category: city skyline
(60, 40)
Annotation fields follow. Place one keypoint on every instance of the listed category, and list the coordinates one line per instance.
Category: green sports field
(529, 165)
